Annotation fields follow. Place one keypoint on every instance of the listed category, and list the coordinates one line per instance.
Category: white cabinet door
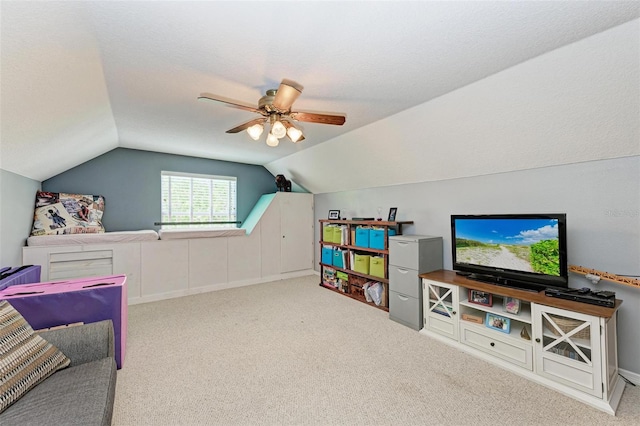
(567, 348)
(296, 227)
(441, 305)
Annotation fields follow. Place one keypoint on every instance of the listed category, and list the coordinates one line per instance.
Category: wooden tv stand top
(450, 277)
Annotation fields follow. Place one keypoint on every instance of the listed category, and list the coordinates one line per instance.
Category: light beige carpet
(290, 352)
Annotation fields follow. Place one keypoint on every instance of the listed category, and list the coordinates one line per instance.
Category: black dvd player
(600, 298)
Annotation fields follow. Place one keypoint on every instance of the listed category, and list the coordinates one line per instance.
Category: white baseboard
(630, 375)
(216, 287)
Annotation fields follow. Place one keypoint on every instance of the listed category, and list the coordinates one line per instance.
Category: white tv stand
(572, 347)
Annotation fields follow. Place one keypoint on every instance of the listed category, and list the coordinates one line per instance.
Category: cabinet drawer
(403, 253)
(520, 354)
(405, 309)
(405, 281)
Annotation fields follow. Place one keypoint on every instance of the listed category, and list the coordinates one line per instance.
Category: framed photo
(498, 323)
(480, 298)
(334, 214)
(511, 305)
(392, 214)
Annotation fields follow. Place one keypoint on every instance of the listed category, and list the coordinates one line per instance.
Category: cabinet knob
(537, 339)
(454, 312)
(492, 344)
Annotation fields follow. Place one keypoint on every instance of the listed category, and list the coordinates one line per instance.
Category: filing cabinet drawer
(405, 309)
(405, 281)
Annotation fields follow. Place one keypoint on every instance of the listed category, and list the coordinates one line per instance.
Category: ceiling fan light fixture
(278, 130)
(294, 134)
(272, 140)
(255, 131)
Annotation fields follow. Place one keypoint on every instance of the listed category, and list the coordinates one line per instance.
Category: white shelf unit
(572, 347)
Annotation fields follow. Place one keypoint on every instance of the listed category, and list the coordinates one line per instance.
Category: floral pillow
(59, 213)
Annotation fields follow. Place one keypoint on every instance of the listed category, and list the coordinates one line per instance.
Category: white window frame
(232, 202)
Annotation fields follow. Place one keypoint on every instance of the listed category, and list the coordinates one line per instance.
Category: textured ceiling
(81, 78)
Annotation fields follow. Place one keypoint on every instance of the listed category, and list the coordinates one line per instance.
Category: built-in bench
(178, 262)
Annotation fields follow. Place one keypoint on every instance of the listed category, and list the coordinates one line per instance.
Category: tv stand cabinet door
(567, 348)
(440, 308)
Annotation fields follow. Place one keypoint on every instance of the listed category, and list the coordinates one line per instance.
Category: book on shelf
(342, 281)
(329, 277)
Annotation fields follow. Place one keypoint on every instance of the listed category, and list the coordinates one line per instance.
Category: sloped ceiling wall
(63, 64)
(578, 103)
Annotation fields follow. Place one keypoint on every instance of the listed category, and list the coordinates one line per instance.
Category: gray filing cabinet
(410, 255)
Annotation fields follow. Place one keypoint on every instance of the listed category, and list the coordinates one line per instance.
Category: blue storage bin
(338, 258)
(327, 255)
(362, 237)
(376, 239)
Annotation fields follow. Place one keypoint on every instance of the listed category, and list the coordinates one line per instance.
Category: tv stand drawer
(489, 341)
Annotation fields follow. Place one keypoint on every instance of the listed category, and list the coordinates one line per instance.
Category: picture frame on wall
(334, 214)
(480, 298)
(392, 214)
(497, 322)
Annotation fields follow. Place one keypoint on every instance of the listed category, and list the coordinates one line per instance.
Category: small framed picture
(334, 214)
(392, 214)
(511, 305)
(498, 323)
(480, 298)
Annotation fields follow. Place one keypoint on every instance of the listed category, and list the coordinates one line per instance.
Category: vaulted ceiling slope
(81, 78)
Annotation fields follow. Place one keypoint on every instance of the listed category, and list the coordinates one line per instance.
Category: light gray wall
(601, 200)
(17, 200)
(129, 180)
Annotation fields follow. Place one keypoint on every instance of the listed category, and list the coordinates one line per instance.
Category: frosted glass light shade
(294, 134)
(272, 140)
(278, 130)
(255, 131)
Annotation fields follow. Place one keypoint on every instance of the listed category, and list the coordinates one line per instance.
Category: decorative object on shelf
(525, 334)
(334, 214)
(480, 298)
(392, 214)
(511, 305)
(473, 318)
(379, 213)
(498, 323)
(283, 184)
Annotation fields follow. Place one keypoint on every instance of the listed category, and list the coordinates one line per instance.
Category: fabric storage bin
(337, 234)
(327, 255)
(327, 234)
(376, 238)
(376, 266)
(361, 263)
(338, 258)
(362, 237)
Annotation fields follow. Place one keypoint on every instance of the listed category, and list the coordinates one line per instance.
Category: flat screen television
(526, 251)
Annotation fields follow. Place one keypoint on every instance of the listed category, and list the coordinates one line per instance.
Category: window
(189, 198)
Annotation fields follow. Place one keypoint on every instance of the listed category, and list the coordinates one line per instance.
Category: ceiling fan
(275, 110)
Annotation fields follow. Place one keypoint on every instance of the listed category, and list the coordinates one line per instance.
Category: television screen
(527, 248)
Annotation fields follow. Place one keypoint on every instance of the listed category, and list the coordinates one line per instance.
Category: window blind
(188, 197)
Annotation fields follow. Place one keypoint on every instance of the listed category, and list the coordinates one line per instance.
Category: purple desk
(19, 275)
(87, 300)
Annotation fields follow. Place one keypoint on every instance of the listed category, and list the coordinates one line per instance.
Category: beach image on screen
(528, 245)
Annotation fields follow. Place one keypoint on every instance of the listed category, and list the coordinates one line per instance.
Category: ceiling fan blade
(313, 117)
(229, 102)
(246, 125)
(287, 94)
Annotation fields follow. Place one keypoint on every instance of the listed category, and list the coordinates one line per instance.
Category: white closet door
(296, 227)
